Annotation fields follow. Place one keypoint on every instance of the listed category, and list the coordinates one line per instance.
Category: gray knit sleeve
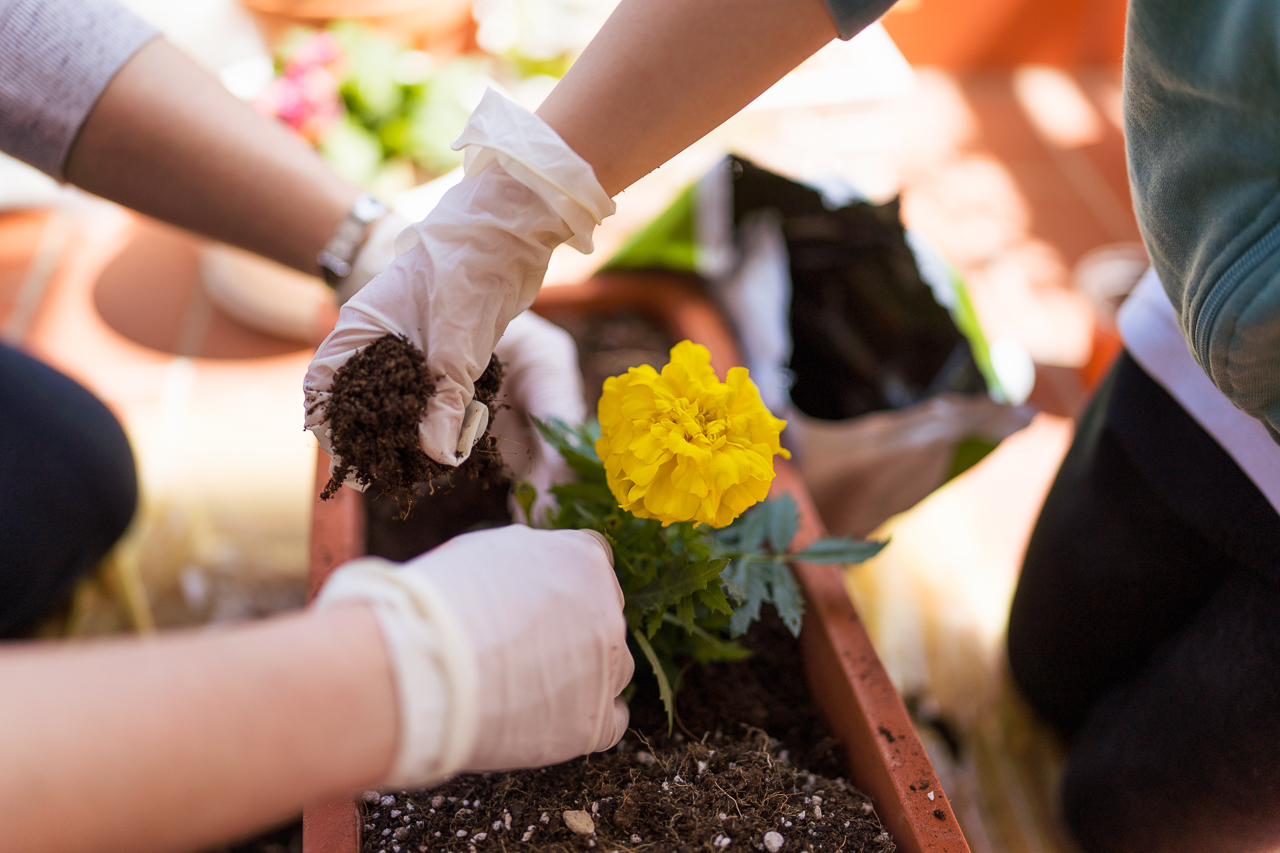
(853, 16)
(56, 57)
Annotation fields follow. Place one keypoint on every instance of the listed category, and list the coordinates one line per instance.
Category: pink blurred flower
(306, 97)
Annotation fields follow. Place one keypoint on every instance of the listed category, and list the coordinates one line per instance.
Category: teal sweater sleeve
(852, 16)
(1202, 123)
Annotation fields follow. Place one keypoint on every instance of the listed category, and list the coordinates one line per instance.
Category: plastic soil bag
(859, 334)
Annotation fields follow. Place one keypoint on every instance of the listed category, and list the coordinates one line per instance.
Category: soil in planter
(721, 784)
(377, 399)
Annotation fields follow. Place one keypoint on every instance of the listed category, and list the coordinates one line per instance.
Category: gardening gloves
(508, 649)
(473, 264)
(541, 379)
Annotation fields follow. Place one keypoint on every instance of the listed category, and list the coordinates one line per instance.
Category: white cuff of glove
(528, 149)
(435, 669)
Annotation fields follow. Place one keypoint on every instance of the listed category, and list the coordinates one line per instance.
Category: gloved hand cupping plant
(508, 649)
(475, 262)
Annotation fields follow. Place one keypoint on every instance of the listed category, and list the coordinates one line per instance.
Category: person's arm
(166, 139)
(180, 741)
(661, 74)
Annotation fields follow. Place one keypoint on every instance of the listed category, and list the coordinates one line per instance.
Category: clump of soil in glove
(376, 402)
(722, 784)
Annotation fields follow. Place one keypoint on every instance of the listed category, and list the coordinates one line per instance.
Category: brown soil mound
(722, 787)
(377, 399)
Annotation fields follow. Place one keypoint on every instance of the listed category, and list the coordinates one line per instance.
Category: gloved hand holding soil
(377, 401)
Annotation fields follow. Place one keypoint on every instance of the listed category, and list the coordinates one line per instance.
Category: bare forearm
(181, 741)
(661, 74)
(166, 139)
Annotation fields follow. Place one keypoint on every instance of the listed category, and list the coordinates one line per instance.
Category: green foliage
(689, 589)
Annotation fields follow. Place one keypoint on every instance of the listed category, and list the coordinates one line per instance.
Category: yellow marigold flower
(683, 446)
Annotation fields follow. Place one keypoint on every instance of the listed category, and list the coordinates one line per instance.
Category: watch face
(367, 208)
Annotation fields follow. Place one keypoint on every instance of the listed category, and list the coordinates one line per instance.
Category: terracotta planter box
(885, 757)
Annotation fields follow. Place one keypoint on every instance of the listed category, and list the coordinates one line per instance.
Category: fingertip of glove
(621, 719)
(602, 542)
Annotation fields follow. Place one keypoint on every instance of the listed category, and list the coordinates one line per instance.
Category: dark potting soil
(721, 784)
(377, 399)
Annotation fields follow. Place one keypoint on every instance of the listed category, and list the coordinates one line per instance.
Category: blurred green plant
(378, 111)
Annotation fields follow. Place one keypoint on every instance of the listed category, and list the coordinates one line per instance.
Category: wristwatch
(336, 256)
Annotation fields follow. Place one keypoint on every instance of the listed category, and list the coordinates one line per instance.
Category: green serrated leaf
(783, 521)
(710, 648)
(664, 686)
(681, 579)
(786, 597)
(713, 599)
(838, 549)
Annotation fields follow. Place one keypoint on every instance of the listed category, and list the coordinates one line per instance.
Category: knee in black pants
(1186, 757)
(68, 487)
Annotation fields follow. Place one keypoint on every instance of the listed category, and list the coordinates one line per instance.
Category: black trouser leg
(67, 487)
(1146, 539)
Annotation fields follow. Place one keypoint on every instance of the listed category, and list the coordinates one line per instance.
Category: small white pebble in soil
(722, 841)
(591, 842)
(722, 816)
(931, 795)
(867, 808)
(635, 839)
(595, 808)
(666, 786)
(644, 757)
(452, 799)
(544, 818)
(497, 824)
(409, 807)
(882, 836)
(395, 848)
(579, 821)
(817, 801)
(371, 797)
(817, 812)
(370, 827)
(386, 832)
(437, 801)
(461, 833)
(787, 824)
(678, 780)
(846, 824)
(528, 833)
(437, 833)
(480, 836)
(418, 824)
(801, 815)
(386, 801)
(506, 819)
(773, 841)
(702, 767)
(395, 813)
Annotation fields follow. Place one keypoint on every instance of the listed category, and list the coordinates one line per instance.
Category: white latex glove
(542, 379)
(508, 649)
(478, 261)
